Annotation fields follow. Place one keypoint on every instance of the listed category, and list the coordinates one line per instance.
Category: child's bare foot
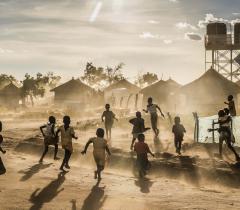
(62, 169)
(67, 166)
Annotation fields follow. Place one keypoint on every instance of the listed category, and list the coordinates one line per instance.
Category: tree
(6, 79)
(146, 79)
(99, 77)
(38, 86)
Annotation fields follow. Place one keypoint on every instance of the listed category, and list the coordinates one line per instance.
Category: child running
(2, 168)
(67, 134)
(142, 150)
(108, 117)
(138, 127)
(99, 154)
(50, 137)
(231, 106)
(152, 108)
(178, 131)
(225, 133)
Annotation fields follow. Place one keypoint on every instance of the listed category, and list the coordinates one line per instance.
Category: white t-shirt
(152, 108)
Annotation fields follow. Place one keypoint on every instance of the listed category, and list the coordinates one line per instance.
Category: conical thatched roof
(73, 85)
(211, 83)
(123, 84)
(161, 87)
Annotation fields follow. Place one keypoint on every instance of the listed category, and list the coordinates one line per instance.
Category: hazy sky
(161, 36)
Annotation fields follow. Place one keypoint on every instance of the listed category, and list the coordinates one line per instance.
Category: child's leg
(55, 151)
(69, 153)
(99, 170)
(44, 152)
(133, 141)
(176, 144)
(107, 131)
(64, 159)
(220, 146)
(110, 133)
(233, 150)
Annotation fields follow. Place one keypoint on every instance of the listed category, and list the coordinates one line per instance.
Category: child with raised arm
(67, 134)
(108, 117)
(231, 106)
(100, 148)
(142, 150)
(178, 131)
(138, 127)
(2, 168)
(50, 138)
(152, 109)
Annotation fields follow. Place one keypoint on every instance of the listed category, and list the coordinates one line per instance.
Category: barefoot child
(2, 168)
(50, 137)
(99, 154)
(231, 106)
(138, 127)
(67, 134)
(108, 117)
(225, 133)
(178, 131)
(152, 109)
(142, 150)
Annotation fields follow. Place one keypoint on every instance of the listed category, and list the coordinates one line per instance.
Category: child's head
(52, 119)
(226, 110)
(141, 137)
(177, 120)
(150, 100)
(230, 97)
(107, 106)
(138, 114)
(66, 120)
(100, 133)
(221, 113)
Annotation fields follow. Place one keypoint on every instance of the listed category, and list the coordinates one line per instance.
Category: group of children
(225, 127)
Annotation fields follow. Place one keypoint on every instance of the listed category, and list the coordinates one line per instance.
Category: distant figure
(138, 127)
(99, 154)
(152, 108)
(2, 167)
(67, 134)
(142, 150)
(108, 117)
(225, 133)
(227, 112)
(231, 106)
(178, 131)
(50, 137)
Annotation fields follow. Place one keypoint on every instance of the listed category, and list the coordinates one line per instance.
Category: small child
(2, 168)
(50, 137)
(142, 150)
(138, 127)
(224, 122)
(178, 131)
(99, 154)
(152, 108)
(67, 134)
(108, 117)
(231, 106)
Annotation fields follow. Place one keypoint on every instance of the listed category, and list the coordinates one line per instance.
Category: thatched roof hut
(209, 91)
(10, 95)
(123, 84)
(163, 92)
(73, 92)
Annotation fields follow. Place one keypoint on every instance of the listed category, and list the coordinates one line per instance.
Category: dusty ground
(196, 180)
